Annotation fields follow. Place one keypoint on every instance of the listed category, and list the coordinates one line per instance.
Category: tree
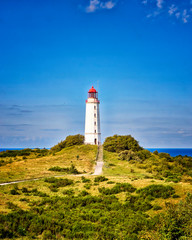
(119, 143)
(70, 140)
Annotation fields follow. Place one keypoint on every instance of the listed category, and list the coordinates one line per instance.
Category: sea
(172, 151)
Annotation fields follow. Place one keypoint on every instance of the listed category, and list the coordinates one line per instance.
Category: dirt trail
(99, 166)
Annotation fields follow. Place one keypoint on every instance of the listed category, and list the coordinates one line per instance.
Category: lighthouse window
(95, 115)
(95, 131)
(95, 123)
(95, 107)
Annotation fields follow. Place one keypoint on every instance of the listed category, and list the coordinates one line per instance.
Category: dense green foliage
(85, 180)
(84, 216)
(119, 187)
(175, 223)
(119, 143)
(24, 152)
(71, 170)
(163, 166)
(139, 156)
(68, 142)
(157, 191)
(58, 182)
(100, 179)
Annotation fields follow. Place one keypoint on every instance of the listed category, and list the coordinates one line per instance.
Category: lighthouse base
(92, 138)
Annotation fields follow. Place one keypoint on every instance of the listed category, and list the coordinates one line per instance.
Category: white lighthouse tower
(92, 119)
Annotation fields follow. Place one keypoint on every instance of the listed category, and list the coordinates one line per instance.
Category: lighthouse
(92, 118)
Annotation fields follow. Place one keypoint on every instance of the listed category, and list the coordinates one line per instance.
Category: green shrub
(166, 156)
(87, 186)
(155, 152)
(110, 182)
(156, 191)
(51, 180)
(68, 142)
(71, 170)
(23, 152)
(83, 193)
(14, 192)
(175, 196)
(137, 203)
(24, 190)
(85, 180)
(157, 207)
(175, 222)
(144, 154)
(100, 179)
(69, 192)
(12, 206)
(119, 143)
(128, 155)
(23, 200)
(119, 187)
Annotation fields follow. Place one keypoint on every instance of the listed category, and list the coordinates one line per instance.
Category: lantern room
(92, 93)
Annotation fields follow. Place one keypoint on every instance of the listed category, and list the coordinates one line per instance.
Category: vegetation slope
(134, 199)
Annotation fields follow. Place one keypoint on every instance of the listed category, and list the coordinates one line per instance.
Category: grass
(115, 170)
(115, 167)
(31, 167)
(181, 189)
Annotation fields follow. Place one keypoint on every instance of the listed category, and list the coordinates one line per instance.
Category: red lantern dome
(92, 90)
(92, 93)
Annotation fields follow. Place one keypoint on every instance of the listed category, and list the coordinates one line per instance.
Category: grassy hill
(28, 167)
(139, 196)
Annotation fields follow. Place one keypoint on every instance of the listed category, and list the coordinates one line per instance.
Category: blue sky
(137, 54)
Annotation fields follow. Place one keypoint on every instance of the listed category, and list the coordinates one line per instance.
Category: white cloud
(172, 9)
(95, 5)
(145, 2)
(177, 15)
(109, 4)
(185, 16)
(154, 14)
(180, 10)
(160, 3)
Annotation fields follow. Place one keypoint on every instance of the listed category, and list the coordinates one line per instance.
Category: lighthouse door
(95, 141)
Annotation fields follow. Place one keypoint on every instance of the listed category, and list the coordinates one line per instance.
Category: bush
(110, 182)
(85, 180)
(137, 203)
(14, 192)
(70, 170)
(23, 152)
(83, 193)
(119, 143)
(166, 156)
(51, 180)
(100, 179)
(128, 155)
(157, 207)
(69, 192)
(57, 183)
(144, 154)
(119, 187)
(87, 186)
(156, 191)
(68, 142)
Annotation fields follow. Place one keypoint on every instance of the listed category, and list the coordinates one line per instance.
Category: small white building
(92, 119)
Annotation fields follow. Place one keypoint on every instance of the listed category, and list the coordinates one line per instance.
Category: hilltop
(70, 156)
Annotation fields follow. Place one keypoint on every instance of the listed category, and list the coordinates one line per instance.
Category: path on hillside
(99, 165)
(98, 170)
